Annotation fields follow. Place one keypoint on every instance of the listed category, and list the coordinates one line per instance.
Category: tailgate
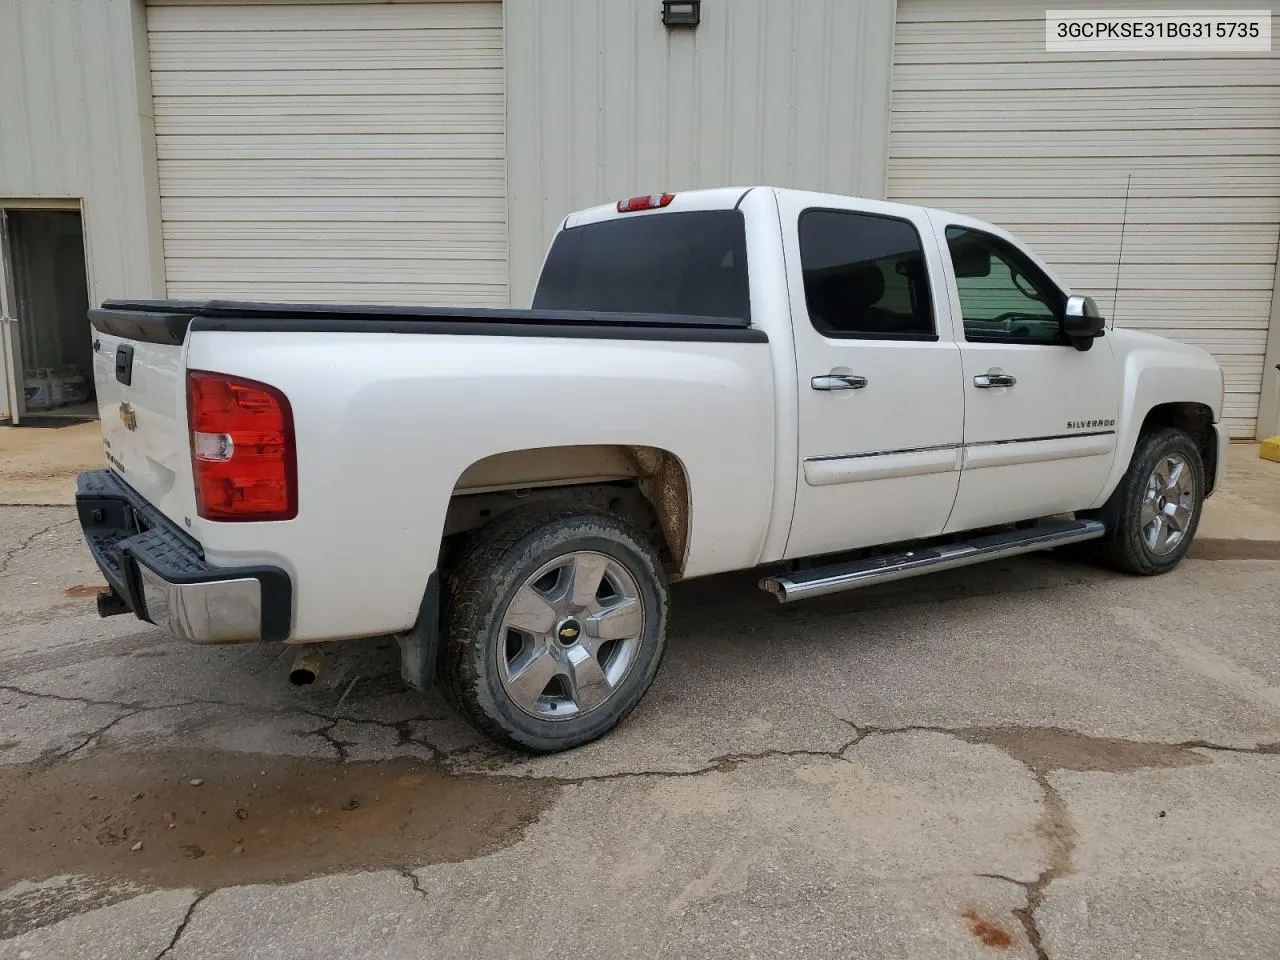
(138, 372)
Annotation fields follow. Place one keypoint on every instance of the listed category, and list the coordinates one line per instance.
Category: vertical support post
(1269, 401)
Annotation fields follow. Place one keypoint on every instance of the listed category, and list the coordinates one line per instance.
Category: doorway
(45, 340)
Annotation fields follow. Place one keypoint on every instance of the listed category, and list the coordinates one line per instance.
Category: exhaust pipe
(307, 664)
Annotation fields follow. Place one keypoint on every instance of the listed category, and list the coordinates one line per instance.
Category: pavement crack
(134, 706)
(1055, 831)
(339, 746)
(1058, 834)
(722, 764)
(730, 761)
(1040, 749)
(1045, 749)
(182, 926)
(13, 552)
(412, 878)
(1026, 914)
(63, 755)
(1261, 749)
(83, 701)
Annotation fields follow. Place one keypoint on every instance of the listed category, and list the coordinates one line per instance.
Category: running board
(913, 563)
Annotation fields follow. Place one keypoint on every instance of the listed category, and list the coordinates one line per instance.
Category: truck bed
(167, 321)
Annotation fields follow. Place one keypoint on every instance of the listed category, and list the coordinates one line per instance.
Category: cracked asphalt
(1036, 759)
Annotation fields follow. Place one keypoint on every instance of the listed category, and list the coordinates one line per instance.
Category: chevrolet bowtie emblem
(568, 633)
(128, 417)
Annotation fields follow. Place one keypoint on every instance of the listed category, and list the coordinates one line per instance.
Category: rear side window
(677, 263)
(865, 276)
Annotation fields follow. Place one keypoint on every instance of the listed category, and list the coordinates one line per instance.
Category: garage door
(984, 121)
(332, 153)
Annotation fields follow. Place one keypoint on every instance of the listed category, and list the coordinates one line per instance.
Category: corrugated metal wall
(71, 82)
(603, 102)
(328, 152)
(984, 121)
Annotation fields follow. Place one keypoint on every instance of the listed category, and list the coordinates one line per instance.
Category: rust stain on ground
(83, 590)
(253, 818)
(1211, 549)
(988, 932)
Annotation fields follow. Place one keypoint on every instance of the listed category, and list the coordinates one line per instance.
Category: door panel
(879, 454)
(12, 399)
(1023, 457)
(12, 402)
(822, 471)
(1039, 435)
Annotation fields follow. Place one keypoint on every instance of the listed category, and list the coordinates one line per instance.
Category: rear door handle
(986, 381)
(838, 381)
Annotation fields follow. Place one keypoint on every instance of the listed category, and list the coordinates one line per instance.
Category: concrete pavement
(38, 465)
(1037, 758)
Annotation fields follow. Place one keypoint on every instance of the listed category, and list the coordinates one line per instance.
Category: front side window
(864, 276)
(1004, 296)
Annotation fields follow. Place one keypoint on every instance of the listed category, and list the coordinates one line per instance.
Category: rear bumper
(159, 572)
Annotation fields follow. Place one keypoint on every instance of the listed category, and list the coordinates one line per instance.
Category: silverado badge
(1086, 424)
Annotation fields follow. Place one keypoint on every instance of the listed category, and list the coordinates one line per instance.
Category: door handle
(985, 381)
(838, 381)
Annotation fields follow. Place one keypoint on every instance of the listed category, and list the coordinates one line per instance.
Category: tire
(1143, 498)
(521, 655)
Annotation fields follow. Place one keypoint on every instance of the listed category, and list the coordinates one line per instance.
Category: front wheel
(555, 625)
(1153, 514)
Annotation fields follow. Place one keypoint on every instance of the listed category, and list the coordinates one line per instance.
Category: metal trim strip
(1053, 436)
(882, 453)
(957, 446)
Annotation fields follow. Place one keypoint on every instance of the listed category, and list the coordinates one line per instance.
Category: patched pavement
(1037, 758)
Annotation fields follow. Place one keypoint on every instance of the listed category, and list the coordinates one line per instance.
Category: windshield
(672, 263)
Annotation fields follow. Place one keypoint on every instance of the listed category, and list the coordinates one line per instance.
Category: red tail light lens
(650, 202)
(242, 448)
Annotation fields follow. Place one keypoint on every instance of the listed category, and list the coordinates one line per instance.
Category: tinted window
(1004, 296)
(864, 276)
(684, 263)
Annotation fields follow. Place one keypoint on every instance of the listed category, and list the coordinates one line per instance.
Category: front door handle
(986, 381)
(838, 381)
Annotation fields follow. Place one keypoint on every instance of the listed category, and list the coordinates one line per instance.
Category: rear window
(681, 263)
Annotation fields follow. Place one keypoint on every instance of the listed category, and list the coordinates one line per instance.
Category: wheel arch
(1163, 384)
(1195, 420)
(648, 486)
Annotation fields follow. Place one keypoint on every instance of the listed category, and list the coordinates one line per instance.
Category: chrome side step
(913, 563)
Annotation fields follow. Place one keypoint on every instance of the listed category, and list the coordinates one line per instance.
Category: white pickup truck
(838, 391)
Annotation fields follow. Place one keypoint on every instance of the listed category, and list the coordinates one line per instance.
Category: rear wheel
(555, 626)
(1153, 514)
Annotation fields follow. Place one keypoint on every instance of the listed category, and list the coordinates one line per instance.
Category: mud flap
(418, 646)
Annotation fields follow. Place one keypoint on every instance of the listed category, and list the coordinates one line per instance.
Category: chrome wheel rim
(570, 636)
(1168, 504)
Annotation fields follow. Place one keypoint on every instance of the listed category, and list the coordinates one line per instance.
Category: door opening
(46, 345)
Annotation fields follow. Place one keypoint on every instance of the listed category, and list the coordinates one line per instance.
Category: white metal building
(424, 152)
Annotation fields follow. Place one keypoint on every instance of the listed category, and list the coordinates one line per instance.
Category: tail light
(649, 202)
(242, 448)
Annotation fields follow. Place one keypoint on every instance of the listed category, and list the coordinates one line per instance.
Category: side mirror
(1081, 321)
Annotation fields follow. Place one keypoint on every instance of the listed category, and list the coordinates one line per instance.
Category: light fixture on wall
(681, 13)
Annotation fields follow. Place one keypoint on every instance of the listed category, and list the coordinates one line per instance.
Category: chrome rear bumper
(159, 573)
